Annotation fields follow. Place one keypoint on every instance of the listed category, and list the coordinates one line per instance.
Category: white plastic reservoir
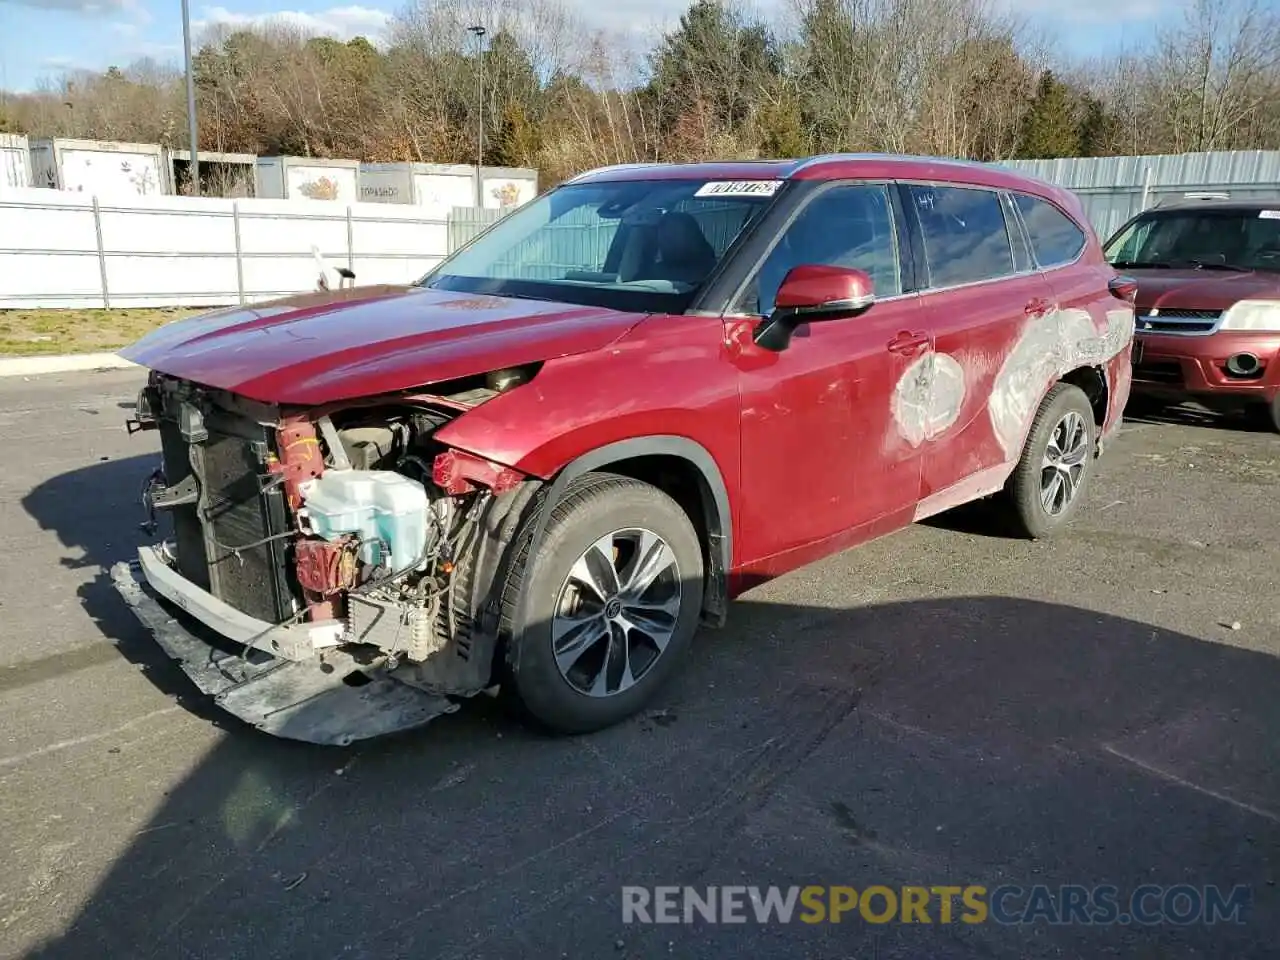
(375, 505)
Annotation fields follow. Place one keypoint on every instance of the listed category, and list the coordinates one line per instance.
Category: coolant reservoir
(373, 504)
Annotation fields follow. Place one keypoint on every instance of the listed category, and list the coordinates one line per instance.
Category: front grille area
(219, 546)
(1178, 320)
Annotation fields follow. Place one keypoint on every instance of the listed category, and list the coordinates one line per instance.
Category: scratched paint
(1049, 347)
(928, 397)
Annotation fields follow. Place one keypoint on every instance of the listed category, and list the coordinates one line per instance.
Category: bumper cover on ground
(307, 700)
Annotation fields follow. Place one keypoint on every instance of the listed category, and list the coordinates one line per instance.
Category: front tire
(614, 598)
(1052, 477)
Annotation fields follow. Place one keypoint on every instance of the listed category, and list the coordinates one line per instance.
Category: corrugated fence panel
(1112, 188)
(1190, 170)
(466, 223)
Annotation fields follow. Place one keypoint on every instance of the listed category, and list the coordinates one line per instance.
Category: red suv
(1208, 325)
(542, 466)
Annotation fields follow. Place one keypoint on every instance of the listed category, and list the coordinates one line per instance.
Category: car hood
(322, 347)
(1201, 289)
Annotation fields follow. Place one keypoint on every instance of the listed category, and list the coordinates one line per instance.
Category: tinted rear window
(1055, 239)
(965, 237)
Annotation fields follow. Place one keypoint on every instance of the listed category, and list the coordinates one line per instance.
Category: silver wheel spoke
(615, 670)
(594, 570)
(655, 623)
(1068, 487)
(1049, 495)
(653, 558)
(572, 638)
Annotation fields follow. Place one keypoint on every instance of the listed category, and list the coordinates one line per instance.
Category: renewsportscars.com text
(1150, 904)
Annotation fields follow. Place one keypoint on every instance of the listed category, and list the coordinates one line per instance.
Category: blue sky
(42, 38)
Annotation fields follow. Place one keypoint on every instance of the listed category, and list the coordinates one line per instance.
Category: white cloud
(340, 22)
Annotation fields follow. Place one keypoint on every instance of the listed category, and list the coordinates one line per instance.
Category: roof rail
(904, 158)
(1195, 197)
(612, 168)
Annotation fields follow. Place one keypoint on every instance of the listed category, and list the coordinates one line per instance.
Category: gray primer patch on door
(928, 397)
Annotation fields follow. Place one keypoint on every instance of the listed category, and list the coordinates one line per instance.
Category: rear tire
(1274, 410)
(1052, 477)
(595, 644)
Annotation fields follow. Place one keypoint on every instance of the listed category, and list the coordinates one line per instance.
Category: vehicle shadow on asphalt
(1190, 414)
(98, 511)
(962, 740)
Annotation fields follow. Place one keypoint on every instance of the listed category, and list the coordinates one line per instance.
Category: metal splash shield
(313, 701)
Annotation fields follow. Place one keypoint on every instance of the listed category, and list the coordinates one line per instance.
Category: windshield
(1208, 239)
(636, 245)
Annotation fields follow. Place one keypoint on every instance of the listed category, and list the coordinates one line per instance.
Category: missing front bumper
(313, 700)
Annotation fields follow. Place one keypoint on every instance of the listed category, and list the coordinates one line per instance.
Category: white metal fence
(1113, 189)
(70, 250)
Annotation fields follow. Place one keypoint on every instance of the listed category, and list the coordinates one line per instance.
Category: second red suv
(650, 389)
(1208, 325)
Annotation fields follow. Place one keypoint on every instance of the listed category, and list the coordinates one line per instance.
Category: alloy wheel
(616, 612)
(1063, 465)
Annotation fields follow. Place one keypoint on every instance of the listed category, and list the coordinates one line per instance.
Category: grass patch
(26, 333)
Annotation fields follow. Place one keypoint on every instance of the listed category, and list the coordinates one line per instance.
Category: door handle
(908, 342)
(1037, 307)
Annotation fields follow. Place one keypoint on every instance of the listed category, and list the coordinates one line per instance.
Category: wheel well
(681, 480)
(1094, 384)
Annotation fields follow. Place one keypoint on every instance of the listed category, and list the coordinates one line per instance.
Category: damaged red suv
(542, 466)
(1208, 302)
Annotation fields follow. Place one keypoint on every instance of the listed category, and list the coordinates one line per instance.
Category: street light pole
(194, 166)
(479, 33)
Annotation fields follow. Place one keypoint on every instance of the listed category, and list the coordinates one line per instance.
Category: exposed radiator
(222, 551)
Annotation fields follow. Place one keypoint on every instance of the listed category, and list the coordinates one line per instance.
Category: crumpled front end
(328, 575)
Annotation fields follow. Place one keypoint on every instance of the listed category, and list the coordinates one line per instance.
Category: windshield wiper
(1141, 265)
(1207, 265)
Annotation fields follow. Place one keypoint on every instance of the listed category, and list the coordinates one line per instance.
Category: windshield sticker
(1269, 214)
(739, 188)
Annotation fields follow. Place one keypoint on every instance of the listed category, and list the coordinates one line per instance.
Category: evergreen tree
(1098, 128)
(518, 142)
(1049, 128)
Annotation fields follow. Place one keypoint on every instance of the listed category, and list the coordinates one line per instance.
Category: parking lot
(944, 706)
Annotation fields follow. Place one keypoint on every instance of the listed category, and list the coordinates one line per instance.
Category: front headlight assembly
(1253, 316)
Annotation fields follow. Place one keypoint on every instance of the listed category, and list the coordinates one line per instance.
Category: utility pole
(478, 32)
(194, 166)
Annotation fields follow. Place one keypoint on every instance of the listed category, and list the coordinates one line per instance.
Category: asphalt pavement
(942, 707)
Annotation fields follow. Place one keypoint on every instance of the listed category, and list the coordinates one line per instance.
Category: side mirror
(813, 292)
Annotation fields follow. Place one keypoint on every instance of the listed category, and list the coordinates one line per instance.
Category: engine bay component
(394, 627)
(386, 511)
(300, 457)
(326, 568)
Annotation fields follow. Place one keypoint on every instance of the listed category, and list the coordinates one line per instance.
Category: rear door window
(1055, 238)
(966, 239)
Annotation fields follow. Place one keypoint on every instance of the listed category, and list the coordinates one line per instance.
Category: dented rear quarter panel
(1083, 287)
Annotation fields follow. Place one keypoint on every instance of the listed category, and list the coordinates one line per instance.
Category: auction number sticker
(739, 188)
(1269, 214)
